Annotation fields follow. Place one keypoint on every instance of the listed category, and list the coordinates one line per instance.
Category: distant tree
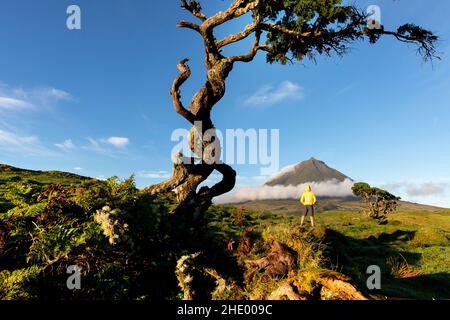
(286, 31)
(379, 203)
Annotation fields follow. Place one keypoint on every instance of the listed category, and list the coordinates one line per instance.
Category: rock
(285, 291)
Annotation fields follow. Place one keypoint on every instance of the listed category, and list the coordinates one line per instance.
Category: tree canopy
(298, 29)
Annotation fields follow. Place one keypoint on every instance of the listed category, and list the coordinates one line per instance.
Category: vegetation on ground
(132, 246)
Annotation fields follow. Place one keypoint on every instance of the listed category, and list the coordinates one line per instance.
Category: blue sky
(95, 101)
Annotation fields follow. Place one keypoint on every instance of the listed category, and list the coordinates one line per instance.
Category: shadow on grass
(398, 235)
(352, 256)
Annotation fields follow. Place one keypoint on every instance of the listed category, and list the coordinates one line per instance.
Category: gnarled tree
(379, 203)
(286, 31)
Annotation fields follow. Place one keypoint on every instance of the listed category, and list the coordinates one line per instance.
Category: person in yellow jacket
(308, 199)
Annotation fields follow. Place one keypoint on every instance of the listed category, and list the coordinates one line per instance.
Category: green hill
(9, 174)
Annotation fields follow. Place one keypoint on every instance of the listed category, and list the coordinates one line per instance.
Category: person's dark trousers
(308, 210)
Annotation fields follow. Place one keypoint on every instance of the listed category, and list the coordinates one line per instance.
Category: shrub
(379, 203)
(118, 236)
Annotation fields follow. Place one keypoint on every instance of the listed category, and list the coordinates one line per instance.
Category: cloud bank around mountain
(332, 188)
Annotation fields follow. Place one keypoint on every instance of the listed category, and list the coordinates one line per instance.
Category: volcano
(308, 171)
(284, 198)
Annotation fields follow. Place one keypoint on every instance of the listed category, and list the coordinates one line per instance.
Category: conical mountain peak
(311, 170)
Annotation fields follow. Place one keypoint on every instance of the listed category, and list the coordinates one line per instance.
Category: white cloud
(66, 145)
(107, 146)
(422, 189)
(97, 146)
(118, 142)
(345, 90)
(55, 94)
(12, 103)
(435, 193)
(270, 95)
(154, 175)
(78, 169)
(8, 138)
(16, 98)
(27, 145)
(332, 188)
(427, 189)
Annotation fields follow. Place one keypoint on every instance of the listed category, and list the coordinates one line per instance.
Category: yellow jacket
(308, 197)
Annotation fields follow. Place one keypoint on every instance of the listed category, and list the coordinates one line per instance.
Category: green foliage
(14, 182)
(124, 240)
(299, 29)
(15, 285)
(322, 19)
(380, 203)
(110, 229)
(185, 269)
(20, 193)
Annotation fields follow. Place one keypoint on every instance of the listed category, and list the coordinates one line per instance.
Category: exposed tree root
(285, 291)
(339, 286)
(279, 261)
(324, 285)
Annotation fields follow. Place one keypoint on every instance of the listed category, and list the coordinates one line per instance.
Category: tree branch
(249, 29)
(193, 7)
(253, 51)
(424, 39)
(238, 8)
(185, 73)
(188, 25)
(226, 185)
(277, 28)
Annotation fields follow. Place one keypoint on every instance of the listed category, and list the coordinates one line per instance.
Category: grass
(412, 250)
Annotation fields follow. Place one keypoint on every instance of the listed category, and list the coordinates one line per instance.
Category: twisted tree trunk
(190, 172)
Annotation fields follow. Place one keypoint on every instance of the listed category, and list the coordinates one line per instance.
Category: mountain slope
(311, 170)
(291, 207)
(9, 174)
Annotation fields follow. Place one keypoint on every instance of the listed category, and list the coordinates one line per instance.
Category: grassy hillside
(10, 174)
(412, 250)
(44, 177)
(131, 246)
